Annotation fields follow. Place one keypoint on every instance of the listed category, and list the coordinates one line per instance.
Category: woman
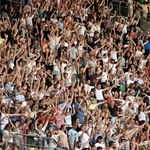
(3, 116)
(18, 139)
(141, 117)
(99, 142)
(53, 135)
(32, 138)
(41, 130)
(7, 135)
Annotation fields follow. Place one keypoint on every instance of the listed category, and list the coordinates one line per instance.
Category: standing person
(32, 138)
(18, 139)
(63, 137)
(41, 130)
(7, 134)
(79, 110)
(72, 133)
(144, 9)
(84, 137)
(130, 8)
(141, 117)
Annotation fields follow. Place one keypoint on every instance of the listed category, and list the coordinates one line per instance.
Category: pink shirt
(60, 120)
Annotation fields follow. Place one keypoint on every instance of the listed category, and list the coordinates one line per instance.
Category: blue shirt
(79, 113)
(147, 46)
(73, 134)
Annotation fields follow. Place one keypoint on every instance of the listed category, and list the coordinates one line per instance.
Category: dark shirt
(113, 111)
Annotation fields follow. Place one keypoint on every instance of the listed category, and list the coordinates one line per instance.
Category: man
(79, 110)
(84, 137)
(78, 145)
(72, 133)
(112, 145)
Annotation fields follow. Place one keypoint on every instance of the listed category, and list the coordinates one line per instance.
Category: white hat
(32, 115)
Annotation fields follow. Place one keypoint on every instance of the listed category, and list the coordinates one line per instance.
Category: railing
(30, 142)
(122, 9)
(10, 3)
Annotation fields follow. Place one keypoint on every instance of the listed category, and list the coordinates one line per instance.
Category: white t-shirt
(84, 138)
(135, 106)
(142, 116)
(73, 52)
(124, 29)
(68, 120)
(140, 81)
(104, 77)
(100, 145)
(63, 65)
(29, 20)
(88, 88)
(129, 82)
(125, 105)
(4, 121)
(114, 56)
(82, 30)
(138, 53)
(99, 94)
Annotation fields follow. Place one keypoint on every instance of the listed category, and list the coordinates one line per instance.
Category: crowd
(73, 76)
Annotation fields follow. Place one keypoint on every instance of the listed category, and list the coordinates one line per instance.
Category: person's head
(92, 94)
(77, 121)
(141, 108)
(63, 127)
(132, 76)
(40, 125)
(112, 144)
(7, 127)
(78, 144)
(99, 139)
(17, 124)
(88, 82)
(3, 109)
(74, 126)
(65, 75)
(79, 99)
(98, 86)
(31, 126)
(83, 128)
(99, 148)
(130, 105)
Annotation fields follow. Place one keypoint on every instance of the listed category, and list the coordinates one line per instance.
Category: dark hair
(62, 126)
(31, 124)
(7, 126)
(99, 138)
(111, 143)
(99, 148)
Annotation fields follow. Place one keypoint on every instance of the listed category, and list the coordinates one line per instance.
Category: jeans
(100, 106)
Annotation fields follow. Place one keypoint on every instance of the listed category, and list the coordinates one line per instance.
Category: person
(7, 134)
(63, 138)
(84, 137)
(99, 142)
(72, 133)
(66, 63)
(32, 139)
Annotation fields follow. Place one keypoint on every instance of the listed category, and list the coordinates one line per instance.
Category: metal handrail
(26, 145)
(120, 6)
(13, 1)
